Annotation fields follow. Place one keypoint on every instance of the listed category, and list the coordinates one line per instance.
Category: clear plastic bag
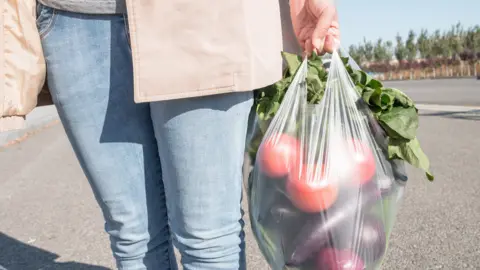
(323, 194)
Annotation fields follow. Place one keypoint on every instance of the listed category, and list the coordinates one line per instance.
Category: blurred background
(413, 39)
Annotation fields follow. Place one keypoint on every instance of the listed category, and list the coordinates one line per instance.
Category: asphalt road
(49, 219)
(445, 92)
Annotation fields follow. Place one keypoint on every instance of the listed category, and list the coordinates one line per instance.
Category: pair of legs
(163, 173)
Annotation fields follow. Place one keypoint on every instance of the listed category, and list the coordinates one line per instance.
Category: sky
(373, 19)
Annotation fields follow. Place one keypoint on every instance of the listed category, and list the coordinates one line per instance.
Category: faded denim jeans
(163, 173)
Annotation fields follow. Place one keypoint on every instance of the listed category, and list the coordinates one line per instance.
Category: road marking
(445, 108)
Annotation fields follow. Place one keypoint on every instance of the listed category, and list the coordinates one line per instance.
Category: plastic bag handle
(342, 52)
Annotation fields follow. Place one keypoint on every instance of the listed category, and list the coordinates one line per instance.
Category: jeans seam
(127, 31)
(135, 54)
(43, 34)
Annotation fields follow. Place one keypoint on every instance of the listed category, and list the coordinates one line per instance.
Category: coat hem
(188, 94)
(242, 83)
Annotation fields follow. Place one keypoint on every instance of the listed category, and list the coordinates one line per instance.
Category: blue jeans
(163, 173)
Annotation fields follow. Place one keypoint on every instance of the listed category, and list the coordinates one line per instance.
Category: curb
(433, 79)
(38, 119)
(446, 108)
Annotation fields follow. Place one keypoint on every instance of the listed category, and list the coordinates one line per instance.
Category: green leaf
(400, 97)
(267, 108)
(273, 108)
(356, 76)
(400, 123)
(360, 89)
(316, 90)
(374, 84)
(345, 60)
(382, 100)
(293, 61)
(367, 95)
(316, 70)
(313, 73)
(361, 77)
(377, 112)
(366, 79)
(315, 60)
(411, 152)
(262, 108)
(263, 125)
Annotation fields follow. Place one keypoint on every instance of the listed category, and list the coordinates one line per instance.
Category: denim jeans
(163, 173)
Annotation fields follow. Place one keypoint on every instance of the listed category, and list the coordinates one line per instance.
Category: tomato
(277, 154)
(309, 189)
(364, 163)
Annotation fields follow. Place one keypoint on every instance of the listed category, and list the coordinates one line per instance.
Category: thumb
(321, 29)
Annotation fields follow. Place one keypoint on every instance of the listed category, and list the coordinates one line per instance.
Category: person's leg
(90, 76)
(201, 142)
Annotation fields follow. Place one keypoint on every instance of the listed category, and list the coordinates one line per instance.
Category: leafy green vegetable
(400, 122)
(410, 151)
(393, 109)
(293, 62)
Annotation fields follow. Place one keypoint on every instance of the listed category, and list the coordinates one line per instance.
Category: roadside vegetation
(424, 55)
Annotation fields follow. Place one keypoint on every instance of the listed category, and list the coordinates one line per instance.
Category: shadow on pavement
(15, 255)
(473, 115)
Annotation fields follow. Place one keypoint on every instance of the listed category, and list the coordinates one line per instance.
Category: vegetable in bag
(328, 152)
(392, 109)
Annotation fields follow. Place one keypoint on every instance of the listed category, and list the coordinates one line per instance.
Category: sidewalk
(38, 119)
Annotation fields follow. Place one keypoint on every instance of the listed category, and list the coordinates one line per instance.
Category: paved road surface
(49, 220)
(445, 92)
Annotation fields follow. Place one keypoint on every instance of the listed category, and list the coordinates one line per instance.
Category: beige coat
(180, 49)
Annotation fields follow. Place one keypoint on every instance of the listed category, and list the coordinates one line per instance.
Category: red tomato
(364, 163)
(310, 191)
(277, 154)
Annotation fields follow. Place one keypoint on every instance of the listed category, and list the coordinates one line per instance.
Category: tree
(382, 52)
(471, 41)
(477, 38)
(400, 50)
(411, 46)
(447, 51)
(368, 50)
(424, 45)
(379, 51)
(455, 40)
(389, 50)
(355, 53)
(361, 51)
(437, 47)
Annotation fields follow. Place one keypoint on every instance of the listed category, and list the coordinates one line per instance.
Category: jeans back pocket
(45, 19)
